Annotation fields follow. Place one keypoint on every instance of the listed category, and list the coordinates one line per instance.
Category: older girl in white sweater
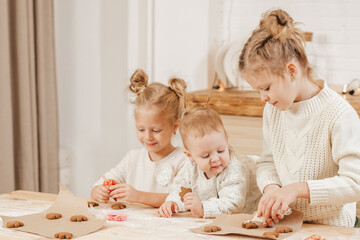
(311, 147)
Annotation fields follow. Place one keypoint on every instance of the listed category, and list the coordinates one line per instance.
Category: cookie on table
(63, 235)
(268, 234)
(283, 229)
(14, 224)
(78, 218)
(53, 216)
(94, 204)
(212, 228)
(118, 206)
(249, 225)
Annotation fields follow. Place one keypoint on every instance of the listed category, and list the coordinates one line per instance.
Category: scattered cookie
(78, 218)
(183, 192)
(268, 234)
(14, 224)
(118, 206)
(94, 204)
(63, 235)
(284, 229)
(52, 216)
(249, 225)
(212, 228)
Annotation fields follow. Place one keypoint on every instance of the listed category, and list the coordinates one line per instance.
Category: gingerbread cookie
(52, 216)
(118, 206)
(212, 228)
(14, 224)
(183, 192)
(63, 235)
(78, 218)
(94, 204)
(249, 225)
(269, 234)
(284, 229)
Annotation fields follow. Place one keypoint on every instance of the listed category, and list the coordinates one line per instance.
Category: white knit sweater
(316, 141)
(233, 190)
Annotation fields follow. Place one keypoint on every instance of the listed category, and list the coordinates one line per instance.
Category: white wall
(92, 71)
(335, 24)
(98, 45)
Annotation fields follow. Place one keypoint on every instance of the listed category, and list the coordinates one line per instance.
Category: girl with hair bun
(311, 148)
(145, 175)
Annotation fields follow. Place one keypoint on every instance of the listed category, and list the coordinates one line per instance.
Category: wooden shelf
(243, 103)
(229, 102)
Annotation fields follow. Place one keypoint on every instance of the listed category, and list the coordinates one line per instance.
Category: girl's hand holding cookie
(125, 192)
(100, 193)
(193, 203)
(167, 209)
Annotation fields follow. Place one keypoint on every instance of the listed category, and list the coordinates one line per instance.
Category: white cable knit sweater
(316, 141)
(233, 190)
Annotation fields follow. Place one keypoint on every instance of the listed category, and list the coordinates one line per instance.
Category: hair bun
(138, 81)
(277, 23)
(178, 85)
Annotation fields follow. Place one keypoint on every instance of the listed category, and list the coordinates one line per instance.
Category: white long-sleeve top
(316, 141)
(137, 169)
(231, 191)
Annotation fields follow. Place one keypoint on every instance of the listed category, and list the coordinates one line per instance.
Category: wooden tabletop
(142, 223)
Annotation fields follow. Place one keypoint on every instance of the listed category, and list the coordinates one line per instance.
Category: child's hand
(125, 192)
(167, 208)
(100, 193)
(192, 202)
(276, 198)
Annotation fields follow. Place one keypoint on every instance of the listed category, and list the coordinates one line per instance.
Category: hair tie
(173, 91)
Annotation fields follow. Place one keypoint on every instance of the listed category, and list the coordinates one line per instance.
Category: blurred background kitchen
(99, 43)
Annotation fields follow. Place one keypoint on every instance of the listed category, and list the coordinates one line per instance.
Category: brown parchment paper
(67, 205)
(231, 224)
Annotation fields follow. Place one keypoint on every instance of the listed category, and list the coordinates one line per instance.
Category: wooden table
(142, 223)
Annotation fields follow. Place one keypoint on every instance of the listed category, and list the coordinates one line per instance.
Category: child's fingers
(176, 208)
(284, 207)
(268, 208)
(261, 205)
(188, 197)
(274, 211)
(160, 212)
(168, 211)
(270, 222)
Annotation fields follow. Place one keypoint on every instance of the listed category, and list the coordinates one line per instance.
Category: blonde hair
(199, 121)
(275, 42)
(168, 99)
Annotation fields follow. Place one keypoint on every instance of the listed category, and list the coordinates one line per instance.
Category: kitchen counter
(142, 223)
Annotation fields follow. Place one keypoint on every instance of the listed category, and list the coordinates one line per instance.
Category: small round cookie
(63, 235)
(284, 229)
(14, 224)
(94, 204)
(52, 216)
(78, 218)
(118, 206)
(267, 234)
